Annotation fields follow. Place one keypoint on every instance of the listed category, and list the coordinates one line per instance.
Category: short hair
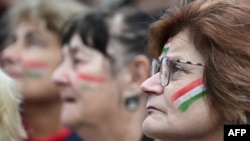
(11, 128)
(92, 29)
(220, 31)
(95, 26)
(131, 35)
(50, 14)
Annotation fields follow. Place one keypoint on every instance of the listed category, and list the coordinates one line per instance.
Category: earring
(132, 101)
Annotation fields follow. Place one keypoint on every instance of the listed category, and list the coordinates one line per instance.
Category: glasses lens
(154, 67)
(164, 77)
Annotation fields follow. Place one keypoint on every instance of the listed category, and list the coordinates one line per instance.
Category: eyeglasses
(166, 68)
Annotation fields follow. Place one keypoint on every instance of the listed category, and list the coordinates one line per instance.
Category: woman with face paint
(11, 128)
(200, 75)
(33, 52)
(100, 75)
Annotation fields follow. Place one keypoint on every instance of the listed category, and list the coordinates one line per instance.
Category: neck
(123, 126)
(42, 118)
(214, 135)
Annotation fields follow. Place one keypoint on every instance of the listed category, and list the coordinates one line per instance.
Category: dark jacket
(73, 137)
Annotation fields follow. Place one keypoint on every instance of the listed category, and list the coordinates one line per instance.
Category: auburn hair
(220, 31)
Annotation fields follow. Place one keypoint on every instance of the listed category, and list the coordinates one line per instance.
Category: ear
(139, 69)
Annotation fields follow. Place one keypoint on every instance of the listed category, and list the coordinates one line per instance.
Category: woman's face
(30, 58)
(87, 89)
(180, 109)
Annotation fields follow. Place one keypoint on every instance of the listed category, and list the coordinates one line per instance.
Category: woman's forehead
(180, 46)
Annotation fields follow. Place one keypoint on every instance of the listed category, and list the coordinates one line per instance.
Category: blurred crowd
(123, 70)
(36, 35)
(153, 8)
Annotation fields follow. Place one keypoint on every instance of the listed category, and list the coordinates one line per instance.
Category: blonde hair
(50, 14)
(11, 128)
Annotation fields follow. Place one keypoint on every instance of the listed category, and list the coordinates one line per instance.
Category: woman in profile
(200, 71)
(103, 66)
(32, 53)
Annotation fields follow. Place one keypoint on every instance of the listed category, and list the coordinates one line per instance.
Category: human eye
(79, 59)
(35, 42)
(34, 39)
(177, 71)
(177, 68)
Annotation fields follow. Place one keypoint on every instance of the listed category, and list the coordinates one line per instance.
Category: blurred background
(153, 7)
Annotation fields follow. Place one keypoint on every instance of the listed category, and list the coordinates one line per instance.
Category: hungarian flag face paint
(89, 78)
(90, 81)
(166, 48)
(188, 94)
(86, 87)
(35, 69)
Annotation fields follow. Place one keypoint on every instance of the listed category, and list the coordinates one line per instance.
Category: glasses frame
(157, 66)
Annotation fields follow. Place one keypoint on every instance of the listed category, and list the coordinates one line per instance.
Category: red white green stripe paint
(35, 69)
(189, 94)
(86, 87)
(166, 48)
(89, 78)
(89, 81)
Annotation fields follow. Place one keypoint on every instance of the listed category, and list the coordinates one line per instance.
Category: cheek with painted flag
(187, 95)
(35, 69)
(88, 82)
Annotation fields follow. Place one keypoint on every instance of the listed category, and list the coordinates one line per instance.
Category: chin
(70, 123)
(147, 127)
(68, 120)
(152, 128)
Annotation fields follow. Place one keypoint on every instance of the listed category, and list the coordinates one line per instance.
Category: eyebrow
(180, 59)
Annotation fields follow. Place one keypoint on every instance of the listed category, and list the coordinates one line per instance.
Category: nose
(11, 55)
(152, 85)
(60, 76)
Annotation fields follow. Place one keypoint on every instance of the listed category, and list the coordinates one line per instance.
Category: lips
(67, 96)
(69, 100)
(152, 109)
